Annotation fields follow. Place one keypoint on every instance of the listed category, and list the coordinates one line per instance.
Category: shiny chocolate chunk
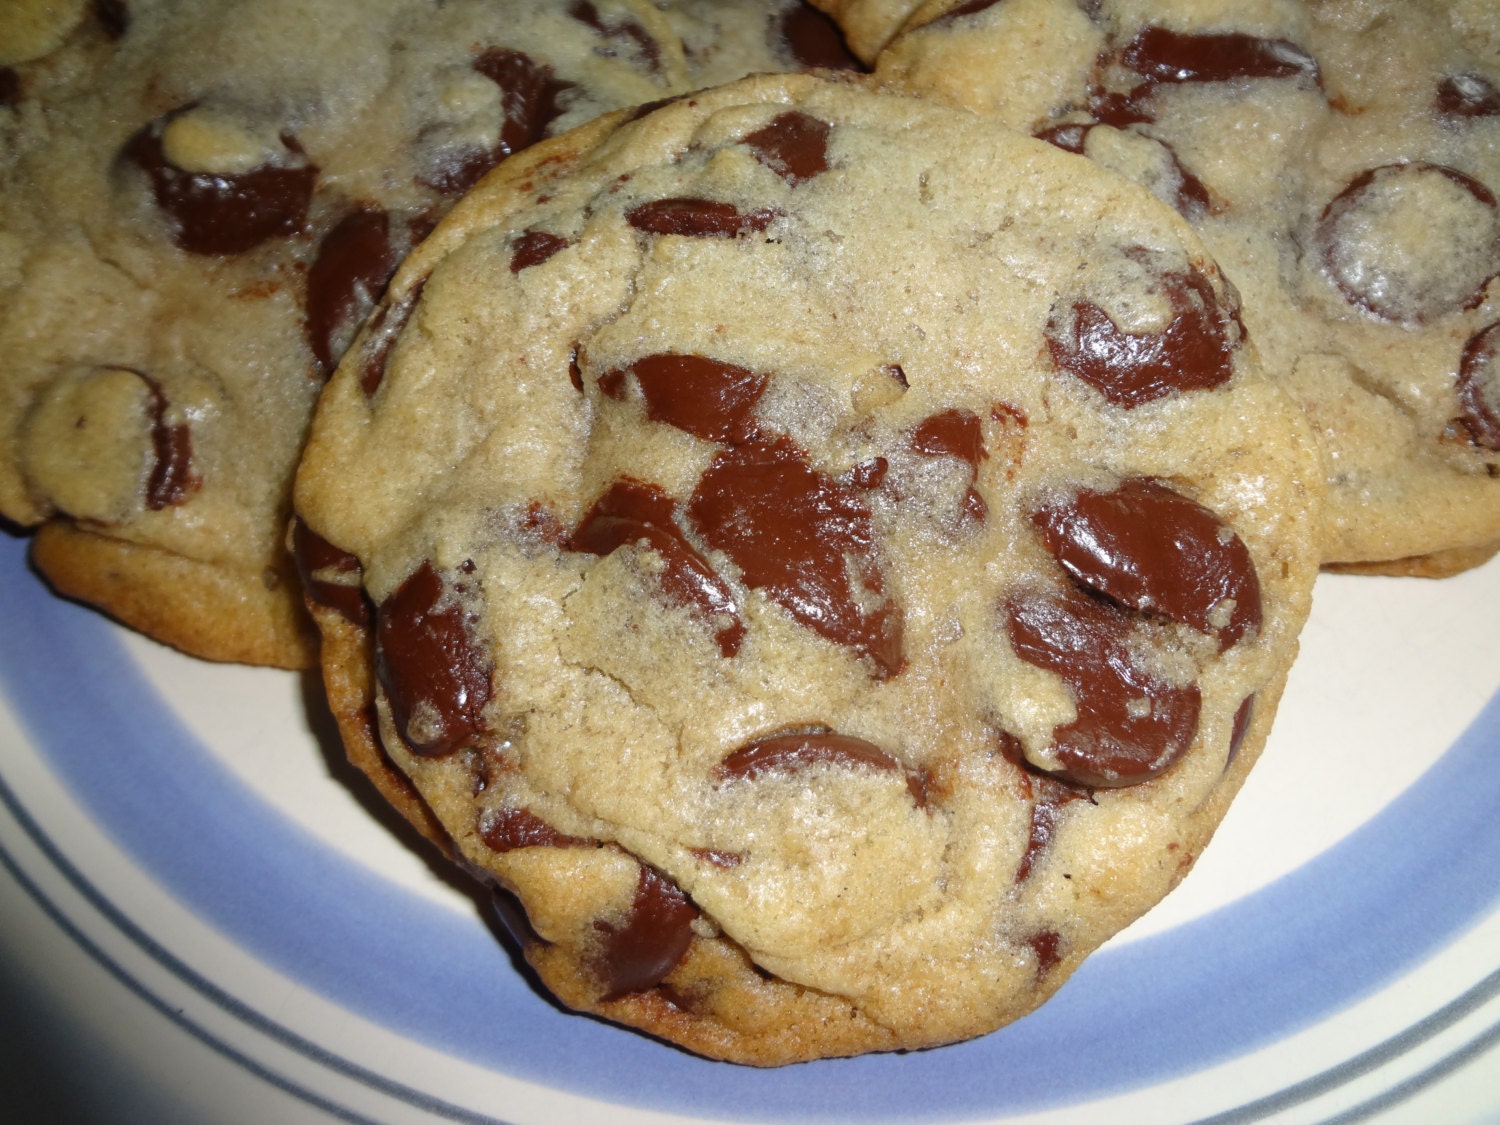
(216, 213)
(636, 954)
(632, 513)
(794, 146)
(787, 753)
(505, 829)
(955, 433)
(806, 540)
(1163, 56)
(171, 479)
(347, 278)
(704, 397)
(815, 40)
(529, 101)
(1131, 725)
(436, 676)
(1195, 352)
(1410, 243)
(1467, 95)
(1155, 551)
(329, 576)
(697, 218)
(533, 248)
(1479, 387)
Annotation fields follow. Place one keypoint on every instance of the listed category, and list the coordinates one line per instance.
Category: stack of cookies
(826, 547)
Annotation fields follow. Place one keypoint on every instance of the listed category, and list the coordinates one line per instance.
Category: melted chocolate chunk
(815, 40)
(1192, 199)
(315, 556)
(1467, 95)
(1163, 56)
(1068, 137)
(1131, 725)
(436, 677)
(388, 323)
(1479, 387)
(869, 474)
(347, 277)
(1046, 807)
(806, 540)
(535, 247)
(787, 753)
(529, 94)
(1240, 728)
(629, 32)
(1155, 551)
(225, 213)
(171, 479)
(631, 513)
(956, 433)
(697, 218)
(1401, 244)
(638, 953)
(10, 87)
(1047, 946)
(704, 397)
(1196, 352)
(505, 829)
(794, 146)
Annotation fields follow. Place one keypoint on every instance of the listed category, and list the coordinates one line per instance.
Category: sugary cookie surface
(199, 201)
(1341, 160)
(832, 560)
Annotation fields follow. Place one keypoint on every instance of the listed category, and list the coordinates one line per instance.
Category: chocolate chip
(1155, 551)
(787, 753)
(1047, 945)
(704, 397)
(1069, 137)
(638, 953)
(534, 247)
(529, 97)
(632, 513)
(436, 677)
(869, 474)
(1195, 352)
(385, 327)
(1409, 243)
(1131, 725)
(171, 479)
(222, 213)
(794, 146)
(806, 540)
(955, 433)
(1240, 728)
(1479, 386)
(1046, 808)
(348, 276)
(1189, 195)
(1163, 56)
(10, 87)
(317, 560)
(505, 829)
(815, 40)
(629, 32)
(1467, 95)
(697, 218)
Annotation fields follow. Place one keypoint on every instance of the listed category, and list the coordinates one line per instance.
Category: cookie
(198, 203)
(831, 560)
(1347, 190)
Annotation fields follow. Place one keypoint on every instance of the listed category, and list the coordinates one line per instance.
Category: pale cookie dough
(198, 203)
(1341, 160)
(832, 559)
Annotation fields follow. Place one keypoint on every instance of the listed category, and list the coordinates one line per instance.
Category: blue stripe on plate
(1253, 972)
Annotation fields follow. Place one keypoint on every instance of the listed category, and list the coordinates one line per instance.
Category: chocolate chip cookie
(1348, 190)
(198, 204)
(830, 559)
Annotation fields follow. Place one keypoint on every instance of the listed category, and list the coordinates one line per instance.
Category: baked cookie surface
(831, 560)
(1347, 189)
(198, 203)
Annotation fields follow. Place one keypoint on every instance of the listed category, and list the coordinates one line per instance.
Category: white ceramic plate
(204, 917)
